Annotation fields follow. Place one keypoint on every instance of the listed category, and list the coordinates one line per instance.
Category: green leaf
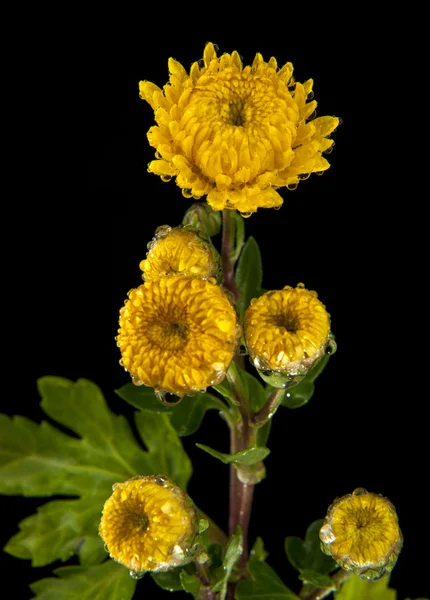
(258, 551)
(249, 275)
(250, 456)
(263, 585)
(254, 390)
(169, 580)
(40, 460)
(109, 581)
(58, 529)
(306, 556)
(301, 393)
(190, 583)
(186, 417)
(165, 450)
(316, 579)
(263, 433)
(233, 552)
(356, 588)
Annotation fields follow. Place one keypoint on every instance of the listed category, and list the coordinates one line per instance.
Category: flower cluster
(178, 331)
(361, 532)
(235, 133)
(148, 524)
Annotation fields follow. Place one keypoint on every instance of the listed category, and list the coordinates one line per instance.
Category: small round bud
(180, 251)
(201, 216)
(361, 532)
(286, 332)
(149, 524)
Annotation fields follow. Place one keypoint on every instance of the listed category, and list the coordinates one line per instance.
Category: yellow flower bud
(286, 332)
(149, 524)
(180, 251)
(361, 532)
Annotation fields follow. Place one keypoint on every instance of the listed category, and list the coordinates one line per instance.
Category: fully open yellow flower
(182, 251)
(361, 532)
(178, 334)
(236, 133)
(148, 524)
(287, 330)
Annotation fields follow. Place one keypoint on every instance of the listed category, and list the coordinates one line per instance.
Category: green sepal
(169, 580)
(263, 433)
(264, 584)
(109, 581)
(356, 588)
(249, 275)
(233, 552)
(186, 416)
(250, 456)
(306, 556)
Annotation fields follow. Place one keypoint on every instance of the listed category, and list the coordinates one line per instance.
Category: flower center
(168, 332)
(287, 320)
(235, 114)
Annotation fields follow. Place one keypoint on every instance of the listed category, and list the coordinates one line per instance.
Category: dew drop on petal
(292, 186)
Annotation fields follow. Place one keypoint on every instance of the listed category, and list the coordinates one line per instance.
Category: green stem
(269, 409)
(312, 593)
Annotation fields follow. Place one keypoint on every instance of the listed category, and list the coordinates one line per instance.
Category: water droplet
(105, 546)
(245, 215)
(319, 173)
(360, 492)
(166, 178)
(340, 120)
(216, 47)
(160, 480)
(277, 207)
(331, 348)
(312, 116)
(137, 574)
(136, 380)
(329, 150)
(304, 176)
(158, 155)
(311, 95)
(201, 63)
(186, 192)
(121, 362)
(292, 186)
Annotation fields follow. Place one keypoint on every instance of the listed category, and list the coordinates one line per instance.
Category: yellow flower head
(148, 524)
(236, 133)
(361, 532)
(286, 331)
(178, 334)
(180, 251)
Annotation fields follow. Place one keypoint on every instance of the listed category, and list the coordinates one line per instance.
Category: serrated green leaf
(250, 456)
(165, 450)
(190, 583)
(263, 585)
(306, 556)
(356, 588)
(109, 581)
(169, 580)
(40, 460)
(233, 552)
(59, 529)
(249, 275)
(301, 393)
(186, 417)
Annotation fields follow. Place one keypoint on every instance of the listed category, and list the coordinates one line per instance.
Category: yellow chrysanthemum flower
(286, 331)
(180, 251)
(148, 524)
(361, 532)
(178, 334)
(236, 133)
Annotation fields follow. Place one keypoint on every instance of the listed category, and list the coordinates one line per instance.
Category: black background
(344, 234)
